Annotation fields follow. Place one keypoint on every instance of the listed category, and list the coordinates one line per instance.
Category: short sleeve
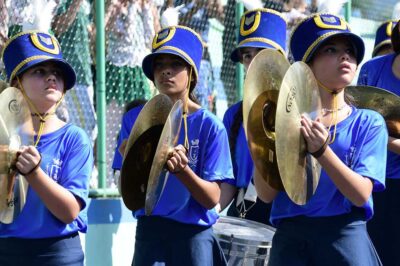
(373, 150)
(77, 167)
(363, 76)
(128, 120)
(218, 164)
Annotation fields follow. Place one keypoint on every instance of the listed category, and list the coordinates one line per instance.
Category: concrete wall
(111, 233)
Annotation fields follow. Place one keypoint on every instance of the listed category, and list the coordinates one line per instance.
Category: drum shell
(244, 242)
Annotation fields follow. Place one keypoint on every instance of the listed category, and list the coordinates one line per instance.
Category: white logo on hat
(249, 20)
(45, 40)
(162, 35)
(329, 19)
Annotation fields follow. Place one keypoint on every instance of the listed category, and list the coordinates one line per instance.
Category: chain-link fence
(130, 26)
(366, 17)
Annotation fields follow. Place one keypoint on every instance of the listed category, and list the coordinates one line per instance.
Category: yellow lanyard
(42, 117)
(186, 111)
(334, 113)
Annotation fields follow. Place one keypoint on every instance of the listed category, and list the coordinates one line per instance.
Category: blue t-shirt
(209, 157)
(360, 142)
(126, 127)
(378, 72)
(243, 165)
(67, 158)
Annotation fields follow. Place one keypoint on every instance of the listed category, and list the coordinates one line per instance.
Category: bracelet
(33, 169)
(321, 150)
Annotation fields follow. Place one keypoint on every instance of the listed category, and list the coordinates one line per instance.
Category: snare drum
(244, 242)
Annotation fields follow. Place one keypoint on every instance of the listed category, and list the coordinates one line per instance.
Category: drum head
(244, 231)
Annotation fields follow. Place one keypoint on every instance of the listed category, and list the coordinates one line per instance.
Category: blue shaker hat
(261, 28)
(315, 30)
(30, 48)
(383, 35)
(177, 40)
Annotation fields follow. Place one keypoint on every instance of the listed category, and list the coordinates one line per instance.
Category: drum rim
(236, 221)
(247, 242)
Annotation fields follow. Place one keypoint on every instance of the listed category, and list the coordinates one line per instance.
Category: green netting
(130, 26)
(367, 15)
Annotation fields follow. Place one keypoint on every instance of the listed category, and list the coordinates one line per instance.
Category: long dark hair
(193, 84)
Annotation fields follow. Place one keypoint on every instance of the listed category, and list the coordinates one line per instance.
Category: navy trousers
(328, 241)
(162, 241)
(59, 251)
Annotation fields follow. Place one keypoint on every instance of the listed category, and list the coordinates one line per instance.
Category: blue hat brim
(66, 68)
(380, 45)
(356, 40)
(147, 63)
(235, 53)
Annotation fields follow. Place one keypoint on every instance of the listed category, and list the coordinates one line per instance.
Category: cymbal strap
(334, 120)
(34, 168)
(321, 150)
(334, 113)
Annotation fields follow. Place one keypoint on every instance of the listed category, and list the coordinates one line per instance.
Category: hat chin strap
(42, 116)
(186, 110)
(335, 111)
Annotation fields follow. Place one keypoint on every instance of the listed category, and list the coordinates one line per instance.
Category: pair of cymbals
(299, 170)
(275, 96)
(384, 102)
(153, 136)
(260, 96)
(16, 129)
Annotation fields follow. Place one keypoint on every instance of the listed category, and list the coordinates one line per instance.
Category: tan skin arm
(394, 145)
(60, 202)
(227, 194)
(204, 192)
(353, 186)
(264, 191)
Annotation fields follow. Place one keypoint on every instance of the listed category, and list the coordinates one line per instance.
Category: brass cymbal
(298, 95)
(260, 95)
(140, 150)
(159, 174)
(16, 129)
(384, 102)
